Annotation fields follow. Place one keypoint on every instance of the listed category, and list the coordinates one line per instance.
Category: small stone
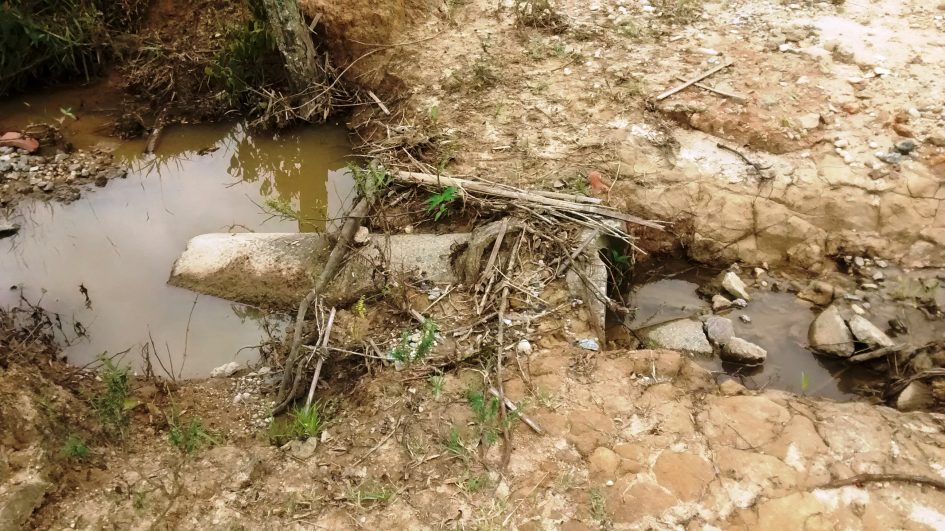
(906, 146)
(917, 395)
(740, 303)
(877, 276)
(731, 388)
(744, 318)
(914, 113)
(719, 302)
(362, 235)
(588, 344)
(737, 350)
(867, 333)
(734, 285)
(523, 347)
(818, 292)
(719, 329)
(859, 261)
(852, 107)
(903, 130)
(881, 263)
(890, 157)
(809, 121)
(225, 371)
(828, 334)
(870, 286)
(101, 181)
(937, 139)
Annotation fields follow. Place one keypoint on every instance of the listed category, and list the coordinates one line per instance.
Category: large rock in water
(829, 334)
(866, 332)
(276, 270)
(738, 350)
(719, 329)
(682, 334)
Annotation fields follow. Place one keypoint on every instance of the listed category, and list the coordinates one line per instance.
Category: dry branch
(882, 478)
(529, 198)
(693, 80)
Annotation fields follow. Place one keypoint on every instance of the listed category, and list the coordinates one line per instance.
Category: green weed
(110, 404)
(483, 75)
(75, 448)
(682, 11)
(280, 208)
(436, 383)
(440, 204)
(486, 410)
(188, 436)
(370, 180)
(360, 308)
(475, 484)
(307, 421)
(370, 494)
(805, 382)
(238, 66)
(599, 508)
(539, 14)
(406, 352)
(454, 443)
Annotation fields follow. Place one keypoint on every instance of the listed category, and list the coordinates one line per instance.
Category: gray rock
(719, 329)
(682, 334)
(916, 396)
(818, 292)
(589, 344)
(866, 332)
(738, 350)
(225, 371)
(906, 146)
(745, 318)
(828, 334)
(19, 501)
(810, 121)
(734, 285)
(719, 302)
(937, 139)
(740, 303)
(5, 166)
(891, 157)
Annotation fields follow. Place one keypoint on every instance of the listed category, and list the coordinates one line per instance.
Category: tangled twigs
(322, 354)
(500, 337)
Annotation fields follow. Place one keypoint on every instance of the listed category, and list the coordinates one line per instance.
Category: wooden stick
(693, 80)
(563, 268)
(720, 92)
(378, 102)
(321, 358)
(569, 197)
(155, 133)
(878, 353)
(489, 265)
(511, 405)
(288, 371)
(878, 478)
(522, 195)
(503, 304)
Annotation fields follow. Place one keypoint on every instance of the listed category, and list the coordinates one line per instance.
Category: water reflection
(119, 243)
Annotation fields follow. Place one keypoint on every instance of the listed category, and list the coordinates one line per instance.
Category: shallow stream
(118, 244)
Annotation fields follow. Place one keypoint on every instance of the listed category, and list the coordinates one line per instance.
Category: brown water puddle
(779, 324)
(119, 243)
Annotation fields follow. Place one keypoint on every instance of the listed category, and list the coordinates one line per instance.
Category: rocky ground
(60, 175)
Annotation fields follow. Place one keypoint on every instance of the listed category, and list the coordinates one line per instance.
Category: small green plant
(280, 208)
(475, 483)
(359, 309)
(67, 113)
(486, 410)
(110, 403)
(599, 508)
(436, 383)
(137, 500)
(682, 11)
(75, 448)
(405, 351)
(369, 180)
(805, 382)
(454, 443)
(538, 14)
(373, 493)
(483, 75)
(435, 114)
(188, 436)
(439, 204)
(307, 421)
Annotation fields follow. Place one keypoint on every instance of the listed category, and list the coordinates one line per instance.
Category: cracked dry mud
(635, 440)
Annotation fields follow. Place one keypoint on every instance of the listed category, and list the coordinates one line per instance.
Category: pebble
(745, 318)
(719, 302)
(870, 285)
(588, 344)
(740, 303)
(906, 146)
(523, 347)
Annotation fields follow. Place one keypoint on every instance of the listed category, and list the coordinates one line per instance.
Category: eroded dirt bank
(826, 93)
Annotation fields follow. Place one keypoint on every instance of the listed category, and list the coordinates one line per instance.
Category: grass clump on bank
(47, 41)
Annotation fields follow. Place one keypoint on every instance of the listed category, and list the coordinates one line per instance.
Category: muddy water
(779, 324)
(119, 243)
